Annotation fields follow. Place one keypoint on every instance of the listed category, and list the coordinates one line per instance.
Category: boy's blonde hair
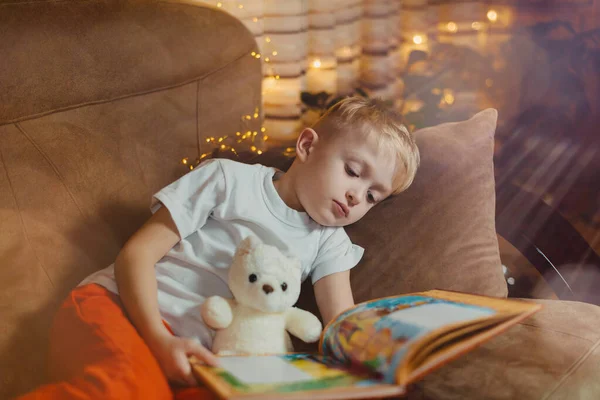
(374, 117)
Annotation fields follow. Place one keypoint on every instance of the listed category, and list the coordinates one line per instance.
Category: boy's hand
(172, 353)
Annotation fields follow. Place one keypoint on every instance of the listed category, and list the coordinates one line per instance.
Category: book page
(296, 375)
(378, 334)
(435, 315)
(263, 370)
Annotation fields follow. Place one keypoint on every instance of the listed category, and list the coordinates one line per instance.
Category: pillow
(440, 232)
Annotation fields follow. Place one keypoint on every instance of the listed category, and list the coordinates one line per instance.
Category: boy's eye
(351, 172)
(252, 278)
(371, 198)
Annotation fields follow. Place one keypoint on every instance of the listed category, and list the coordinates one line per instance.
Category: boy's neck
(285, 188)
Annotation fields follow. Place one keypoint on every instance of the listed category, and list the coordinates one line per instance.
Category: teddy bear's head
(263, 278)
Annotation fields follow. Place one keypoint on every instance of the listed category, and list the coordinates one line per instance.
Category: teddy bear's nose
(267, 289)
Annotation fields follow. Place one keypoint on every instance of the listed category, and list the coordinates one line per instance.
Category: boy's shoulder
(241, 171)
(334, 235)
(238, 166)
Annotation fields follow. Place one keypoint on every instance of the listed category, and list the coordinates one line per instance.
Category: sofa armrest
(105, 50)
(557, 250)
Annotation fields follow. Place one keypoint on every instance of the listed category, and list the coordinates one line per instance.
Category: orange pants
(96, 353)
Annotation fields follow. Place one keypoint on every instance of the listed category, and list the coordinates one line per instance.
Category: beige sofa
(100, 101)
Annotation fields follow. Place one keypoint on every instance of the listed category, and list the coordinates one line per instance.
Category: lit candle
(321, 76)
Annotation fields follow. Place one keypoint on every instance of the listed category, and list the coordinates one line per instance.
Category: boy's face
(341, 177)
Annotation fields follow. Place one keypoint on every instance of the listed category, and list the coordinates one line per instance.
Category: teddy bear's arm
(217, 312)
(303, 325)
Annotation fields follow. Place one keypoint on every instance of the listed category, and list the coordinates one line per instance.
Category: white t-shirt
(215, 207)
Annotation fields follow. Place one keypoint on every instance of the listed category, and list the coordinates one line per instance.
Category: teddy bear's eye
(252, 278)
(284, 286)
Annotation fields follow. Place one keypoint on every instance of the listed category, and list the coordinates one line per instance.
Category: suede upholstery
(450, 207)
(99, 102)
(84, 146)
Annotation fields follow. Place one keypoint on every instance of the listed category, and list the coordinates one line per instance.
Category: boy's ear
(305, 143)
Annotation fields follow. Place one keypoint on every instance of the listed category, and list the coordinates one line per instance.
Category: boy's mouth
(341, 209)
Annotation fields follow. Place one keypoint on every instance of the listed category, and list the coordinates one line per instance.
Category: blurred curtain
(337, 46)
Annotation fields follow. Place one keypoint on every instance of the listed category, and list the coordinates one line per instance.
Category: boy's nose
(351, 199)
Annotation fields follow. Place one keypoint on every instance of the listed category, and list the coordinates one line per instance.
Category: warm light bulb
(254, 19)
(476, 25)
(241, 6)
(268, 39)
(317, 63)
(452, 27)
(492, 15)
(417, 39)
(219, 5)
(274, 53)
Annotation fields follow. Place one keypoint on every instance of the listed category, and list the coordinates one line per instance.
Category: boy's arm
(135, 276)
(333, 294)
(136, 280)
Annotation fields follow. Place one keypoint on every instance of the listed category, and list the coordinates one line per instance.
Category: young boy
(354, 157)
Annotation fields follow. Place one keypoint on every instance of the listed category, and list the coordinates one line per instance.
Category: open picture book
(375, 349)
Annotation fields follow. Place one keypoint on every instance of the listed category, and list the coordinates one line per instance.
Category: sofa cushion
(440, 233)
(553, 355)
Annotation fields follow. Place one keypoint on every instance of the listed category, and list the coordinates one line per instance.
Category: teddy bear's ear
(248, 244)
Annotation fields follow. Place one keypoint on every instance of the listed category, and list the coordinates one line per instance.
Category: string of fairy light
(232, 141)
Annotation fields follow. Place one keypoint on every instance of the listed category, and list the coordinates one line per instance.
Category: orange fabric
(96, 353)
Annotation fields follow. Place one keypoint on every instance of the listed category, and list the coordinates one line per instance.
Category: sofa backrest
(99, 103)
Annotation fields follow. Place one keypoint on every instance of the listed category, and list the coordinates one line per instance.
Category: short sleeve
(193, 197)
(336, 254)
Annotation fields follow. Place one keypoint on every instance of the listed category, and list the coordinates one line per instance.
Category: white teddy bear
(265, 284)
